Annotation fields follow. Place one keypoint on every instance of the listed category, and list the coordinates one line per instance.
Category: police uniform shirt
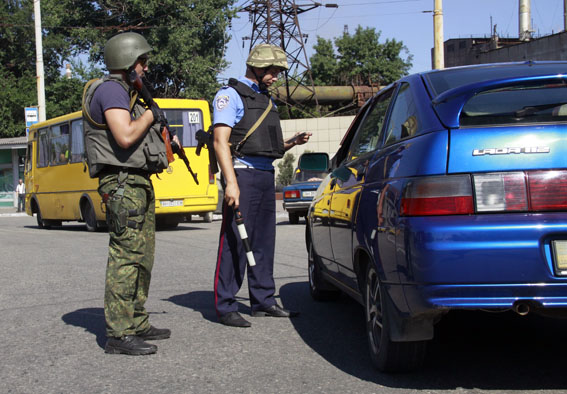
(229, 110)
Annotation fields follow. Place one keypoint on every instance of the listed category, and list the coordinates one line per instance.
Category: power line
(324, 23)
(379, 2)
(372, 15)
(119, 27)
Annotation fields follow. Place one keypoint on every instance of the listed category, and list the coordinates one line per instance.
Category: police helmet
(267, 55)
(122, 50)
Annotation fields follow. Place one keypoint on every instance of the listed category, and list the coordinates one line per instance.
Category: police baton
(239, 219)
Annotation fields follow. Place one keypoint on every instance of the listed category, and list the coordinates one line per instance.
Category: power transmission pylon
(276, 22)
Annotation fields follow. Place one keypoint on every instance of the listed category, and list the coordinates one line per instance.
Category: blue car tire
(319, 288)
(387, 356)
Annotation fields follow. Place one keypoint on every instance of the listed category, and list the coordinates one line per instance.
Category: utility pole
(438, 46)
(39, 61)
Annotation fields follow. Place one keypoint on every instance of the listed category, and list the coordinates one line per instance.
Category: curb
(13, 214)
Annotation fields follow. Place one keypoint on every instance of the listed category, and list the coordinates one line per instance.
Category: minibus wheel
(89, 216)
(40, 222)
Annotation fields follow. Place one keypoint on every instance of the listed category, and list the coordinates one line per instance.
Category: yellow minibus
(59, 187)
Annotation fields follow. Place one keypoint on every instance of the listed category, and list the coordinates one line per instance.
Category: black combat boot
(129, 344)
(153, 333)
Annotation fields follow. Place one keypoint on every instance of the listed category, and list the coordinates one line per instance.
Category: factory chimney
(525, 33)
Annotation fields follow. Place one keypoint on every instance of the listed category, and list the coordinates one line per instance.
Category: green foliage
(285, 167)
(15, 95)
(188, 38)
(324, 63)
(360, 60)
(69, 91)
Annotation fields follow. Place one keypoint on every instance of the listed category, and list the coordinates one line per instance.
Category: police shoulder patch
(221, 102)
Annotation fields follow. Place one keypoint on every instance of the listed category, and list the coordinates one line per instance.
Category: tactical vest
(147, 154)
(267, 139)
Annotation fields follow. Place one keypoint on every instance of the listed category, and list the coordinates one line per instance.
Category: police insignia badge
(221, 102)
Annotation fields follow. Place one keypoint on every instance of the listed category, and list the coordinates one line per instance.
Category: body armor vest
(147, 154)
(267, 139)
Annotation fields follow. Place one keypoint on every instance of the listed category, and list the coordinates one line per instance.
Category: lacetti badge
(509, 151)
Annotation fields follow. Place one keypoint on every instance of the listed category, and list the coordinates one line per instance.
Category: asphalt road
(52, 328)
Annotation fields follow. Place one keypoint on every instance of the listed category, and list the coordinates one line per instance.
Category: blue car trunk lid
(531, 147)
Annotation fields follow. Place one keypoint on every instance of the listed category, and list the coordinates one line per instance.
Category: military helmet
(122, 50)
(267, 55)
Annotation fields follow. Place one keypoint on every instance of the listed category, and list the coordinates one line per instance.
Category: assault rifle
(171, 146)
(207, 139)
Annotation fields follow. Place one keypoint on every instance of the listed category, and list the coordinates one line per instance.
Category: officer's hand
(302, 138)
(232, 195)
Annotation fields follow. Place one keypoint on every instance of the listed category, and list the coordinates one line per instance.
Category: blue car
(449, 191)
(298, 195)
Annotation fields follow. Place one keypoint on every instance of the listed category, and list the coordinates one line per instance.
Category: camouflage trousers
(131, 225)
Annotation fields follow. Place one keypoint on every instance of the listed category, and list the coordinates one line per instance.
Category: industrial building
(493, 49)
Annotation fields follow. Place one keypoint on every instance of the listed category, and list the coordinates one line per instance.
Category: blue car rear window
(308, 176)
(443, 80)
(517, 105)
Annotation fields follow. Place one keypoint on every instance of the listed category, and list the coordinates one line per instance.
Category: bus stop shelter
(12, 156)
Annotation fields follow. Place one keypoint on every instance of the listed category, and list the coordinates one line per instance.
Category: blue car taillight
(438, 195)
(518, 191)
(548, 190)
(532, 191)
(500, 192)
(292, 194)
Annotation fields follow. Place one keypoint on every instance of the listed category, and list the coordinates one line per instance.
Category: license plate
(560, 255)
(171, 203)
(308, 194)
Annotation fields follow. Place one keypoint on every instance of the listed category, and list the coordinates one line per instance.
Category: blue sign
(32, 115)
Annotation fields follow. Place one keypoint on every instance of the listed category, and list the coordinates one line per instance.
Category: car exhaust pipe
(522, 308)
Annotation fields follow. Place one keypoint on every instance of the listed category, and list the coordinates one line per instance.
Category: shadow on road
(65, 227)
(81, 228)
(471, 350)
(204, 302)
(91, 319)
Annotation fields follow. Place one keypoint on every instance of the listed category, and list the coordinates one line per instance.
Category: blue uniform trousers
(258, 206)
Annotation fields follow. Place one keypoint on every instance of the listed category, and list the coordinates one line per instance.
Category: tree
(360, 60)
(188, 38)
(324, 63)
(285, 167)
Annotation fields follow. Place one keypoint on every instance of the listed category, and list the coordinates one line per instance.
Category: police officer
(247, 139)
(123, 148)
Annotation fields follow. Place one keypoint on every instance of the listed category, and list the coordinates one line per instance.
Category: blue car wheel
(387, 356)
(319, 289)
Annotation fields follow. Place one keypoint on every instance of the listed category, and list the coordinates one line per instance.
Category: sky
(409, 21)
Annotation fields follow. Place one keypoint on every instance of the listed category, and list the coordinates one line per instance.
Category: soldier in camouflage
(124, 147)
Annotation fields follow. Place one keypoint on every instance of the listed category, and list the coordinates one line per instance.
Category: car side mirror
(342, 173)
(318, 161)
